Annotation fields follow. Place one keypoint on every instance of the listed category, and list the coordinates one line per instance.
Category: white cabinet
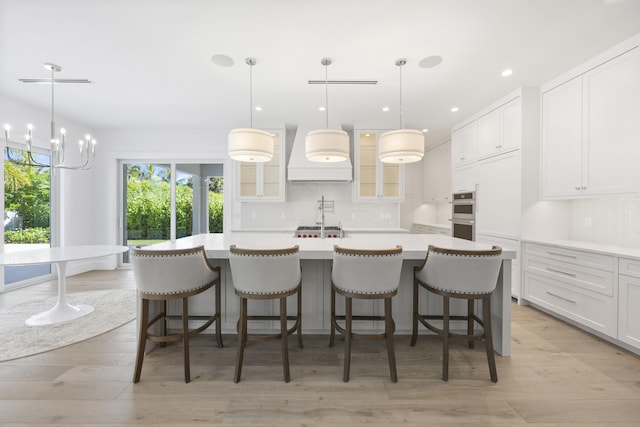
(507, 244)
(463, 178)
(375, 180)
(577, 285)
(499, 130)
(437, 174)
(629, 301)
(590, 131)
(498, 207)
(464, 144)
(264, 181)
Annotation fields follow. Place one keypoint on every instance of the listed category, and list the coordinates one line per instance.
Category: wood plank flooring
(557, 376)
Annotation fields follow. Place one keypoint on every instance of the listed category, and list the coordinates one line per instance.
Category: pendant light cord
(251, 94)
(326, 93)
(401, 125)
(53, 123)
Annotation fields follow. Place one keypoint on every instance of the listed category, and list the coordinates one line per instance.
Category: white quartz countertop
(414, 245)
(603, 248)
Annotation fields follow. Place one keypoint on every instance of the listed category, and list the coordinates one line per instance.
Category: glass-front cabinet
(264, 181)
(375, 180)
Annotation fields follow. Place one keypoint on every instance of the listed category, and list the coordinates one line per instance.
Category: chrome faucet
(321, 207)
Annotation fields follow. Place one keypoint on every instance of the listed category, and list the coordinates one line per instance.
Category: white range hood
(302, 169)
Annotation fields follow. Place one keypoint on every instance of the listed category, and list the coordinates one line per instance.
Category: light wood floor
(557, 376)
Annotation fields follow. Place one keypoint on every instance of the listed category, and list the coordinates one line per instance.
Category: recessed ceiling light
(454, 109)
(425, 130)
(385, 109)
(258, 108)
(321, 108)
(507, 72)
(430, 61)
(222, 60)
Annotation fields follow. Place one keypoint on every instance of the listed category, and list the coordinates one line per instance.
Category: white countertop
(603, 248)
(414, 245)
(443, 225)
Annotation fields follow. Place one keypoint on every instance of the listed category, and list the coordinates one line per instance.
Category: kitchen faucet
(321, 207)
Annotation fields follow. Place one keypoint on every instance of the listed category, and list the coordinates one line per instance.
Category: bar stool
(469, 275)
(166, 275)
(365, 274)
(265, 274)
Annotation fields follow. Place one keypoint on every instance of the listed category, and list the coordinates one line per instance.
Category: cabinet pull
(578, 188)
(561, 272)
(562, 298)
(564, 255)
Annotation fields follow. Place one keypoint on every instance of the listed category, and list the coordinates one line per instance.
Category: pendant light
(248, 144)
(327, 145)
(401, 145)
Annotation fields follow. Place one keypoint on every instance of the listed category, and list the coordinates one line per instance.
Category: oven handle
(463, 221)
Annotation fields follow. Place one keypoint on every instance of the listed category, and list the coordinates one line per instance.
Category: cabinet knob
(578, 188)
(584, 187)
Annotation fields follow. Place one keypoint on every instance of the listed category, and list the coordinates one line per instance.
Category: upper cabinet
(591, 128)
(264, 181)
(499, 130)
(375, 180)
(437, 174)
(464, 144)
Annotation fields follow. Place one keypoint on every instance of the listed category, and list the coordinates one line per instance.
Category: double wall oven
(463, 215)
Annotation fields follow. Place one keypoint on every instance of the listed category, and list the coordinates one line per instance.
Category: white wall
(612, 220)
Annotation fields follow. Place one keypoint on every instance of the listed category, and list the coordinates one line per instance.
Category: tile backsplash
(614, 221)
(301, 208)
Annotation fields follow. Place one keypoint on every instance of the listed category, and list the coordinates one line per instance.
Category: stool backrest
(175, 271)
(265, 271)
(469, 272)
(367, 271)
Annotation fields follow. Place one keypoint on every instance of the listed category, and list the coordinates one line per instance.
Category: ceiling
(150, 60)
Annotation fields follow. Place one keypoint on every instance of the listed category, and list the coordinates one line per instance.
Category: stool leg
(332, 336)
(142, 339)
(445, 338)
(488, 337)
(241, 339)
(347, 337)
(185, 339)
(299, 317)
(470, 313)
(388, 333)
(285, 344)
(218, 316)
(163, 324)
(414, 334)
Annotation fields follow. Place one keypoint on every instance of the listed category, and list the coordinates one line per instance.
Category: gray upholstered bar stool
(469, 275)
(365, 274)
(168, 275)
(265, 274)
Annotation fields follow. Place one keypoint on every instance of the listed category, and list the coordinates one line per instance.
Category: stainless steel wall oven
(463, 215)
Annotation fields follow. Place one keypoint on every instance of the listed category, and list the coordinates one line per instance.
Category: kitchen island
(316, 255)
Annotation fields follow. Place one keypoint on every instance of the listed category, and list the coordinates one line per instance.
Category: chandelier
(249, 144)
(327, 145)
(401, 145)
(86, 146)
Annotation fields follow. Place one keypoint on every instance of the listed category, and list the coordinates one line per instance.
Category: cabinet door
(375, 180)
(612, 126)
(429, 174)
(490, 132)
(562, 140)
(498, 206)
(512, 124)
(263, 181)
(464, 144)
(442, 172)
(628, 313)
(463, 178)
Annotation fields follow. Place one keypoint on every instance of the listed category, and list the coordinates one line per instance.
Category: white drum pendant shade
(401, 146)
(250, 145)
(327, 145)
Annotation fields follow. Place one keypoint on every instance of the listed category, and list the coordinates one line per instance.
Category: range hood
(302, 169)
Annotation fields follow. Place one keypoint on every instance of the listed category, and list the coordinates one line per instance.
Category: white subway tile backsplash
(614, 221)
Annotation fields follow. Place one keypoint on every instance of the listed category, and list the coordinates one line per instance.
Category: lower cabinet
(598, 291)
(629, 301)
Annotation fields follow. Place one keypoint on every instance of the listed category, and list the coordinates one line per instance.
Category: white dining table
(62, 311)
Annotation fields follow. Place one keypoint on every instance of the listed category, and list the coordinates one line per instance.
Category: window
(27, 214)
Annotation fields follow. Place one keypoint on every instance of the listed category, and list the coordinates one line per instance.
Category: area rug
(113, 308)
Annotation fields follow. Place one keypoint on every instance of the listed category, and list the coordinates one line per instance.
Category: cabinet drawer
(591, 279)
(588, 259)
(629, 267)
(596, 311)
